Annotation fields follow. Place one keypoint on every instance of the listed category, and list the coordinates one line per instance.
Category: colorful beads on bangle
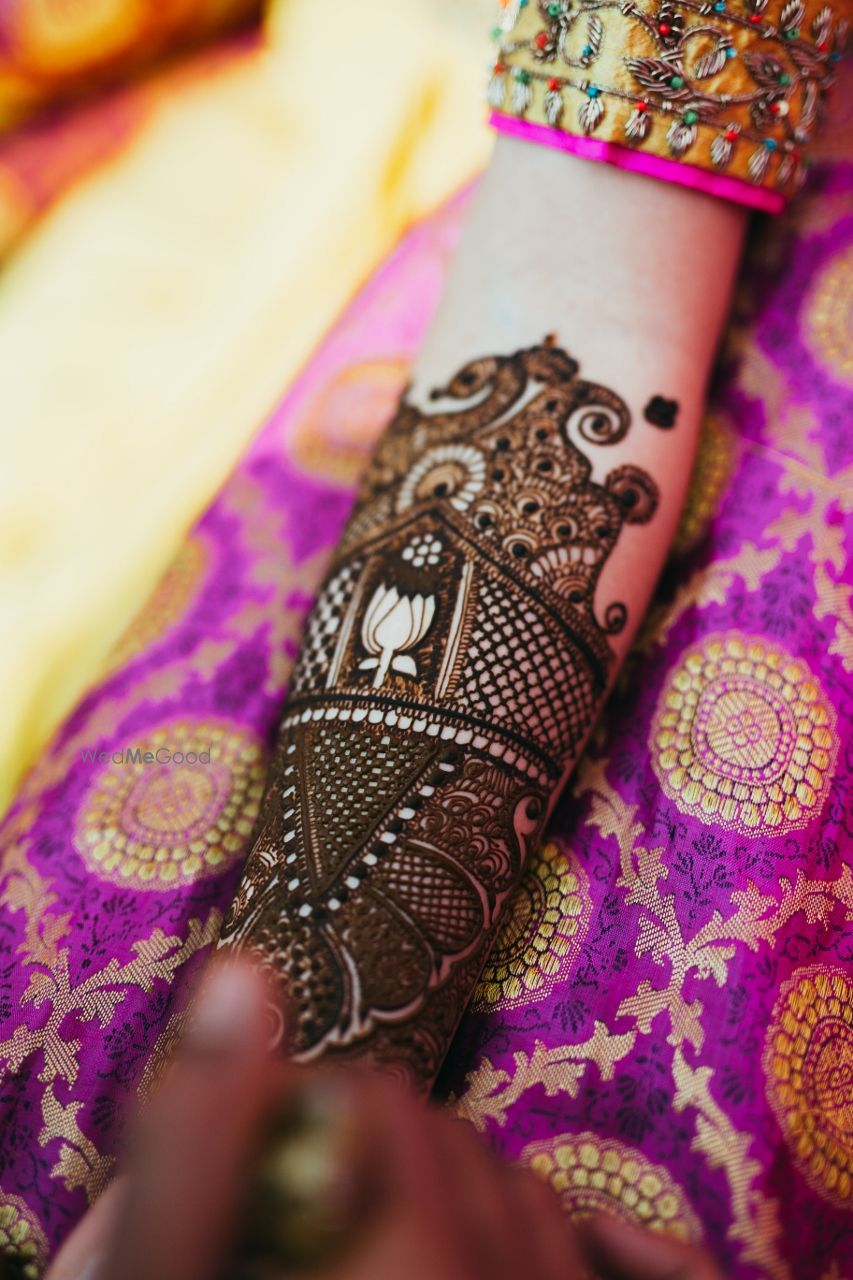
(730, 85)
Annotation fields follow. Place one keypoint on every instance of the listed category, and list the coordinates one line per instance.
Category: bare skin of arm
(503, 549)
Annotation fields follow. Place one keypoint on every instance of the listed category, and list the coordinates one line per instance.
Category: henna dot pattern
(423, 551)
(157, 826)
(602, 1175)
(542, 934)
(808, 1065)
(744, 736)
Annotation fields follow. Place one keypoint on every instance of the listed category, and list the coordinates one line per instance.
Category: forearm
(634, 278)
(502, 550)
(611, 257)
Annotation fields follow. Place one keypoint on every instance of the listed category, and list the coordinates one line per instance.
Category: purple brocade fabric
(664, 1029)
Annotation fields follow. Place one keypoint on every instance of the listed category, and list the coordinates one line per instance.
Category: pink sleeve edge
(684, 175)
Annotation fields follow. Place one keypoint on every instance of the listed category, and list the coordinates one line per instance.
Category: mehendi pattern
(451, 669)
(661, 412)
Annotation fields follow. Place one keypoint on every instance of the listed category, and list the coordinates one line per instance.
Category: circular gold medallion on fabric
(546, 922)
(602, 1175)
(336, 435)
(828, 317)
(808, 1064)
(22, 1242)
(166, 605)
(179, 817)
(744, 736)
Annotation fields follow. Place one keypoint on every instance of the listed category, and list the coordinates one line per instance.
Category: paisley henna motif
(451, 668)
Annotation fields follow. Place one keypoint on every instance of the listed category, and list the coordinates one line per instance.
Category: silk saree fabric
(665, 1028)
(226, 226)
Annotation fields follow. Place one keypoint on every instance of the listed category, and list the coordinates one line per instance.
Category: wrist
(608, 260)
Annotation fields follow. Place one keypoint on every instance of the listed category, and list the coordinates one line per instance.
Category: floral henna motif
(451, 668)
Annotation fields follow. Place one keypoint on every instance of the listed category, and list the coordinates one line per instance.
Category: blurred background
(190, 190)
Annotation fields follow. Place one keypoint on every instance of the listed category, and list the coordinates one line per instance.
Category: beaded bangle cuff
(734, 87)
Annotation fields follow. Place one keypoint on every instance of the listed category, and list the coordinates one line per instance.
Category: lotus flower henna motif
(393, 624)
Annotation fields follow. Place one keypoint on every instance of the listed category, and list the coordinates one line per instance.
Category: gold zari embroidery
(735, 87)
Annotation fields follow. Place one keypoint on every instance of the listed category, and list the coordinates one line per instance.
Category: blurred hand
(615, 1248)
(426, 1200)
(432, 1203)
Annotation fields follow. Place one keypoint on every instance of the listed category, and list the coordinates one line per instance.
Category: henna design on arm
(451, 669)
(661, 412)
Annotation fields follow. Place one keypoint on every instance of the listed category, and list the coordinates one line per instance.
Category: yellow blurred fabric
(161, 309)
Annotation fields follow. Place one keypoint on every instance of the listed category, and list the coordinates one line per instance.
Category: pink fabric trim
(684, 175)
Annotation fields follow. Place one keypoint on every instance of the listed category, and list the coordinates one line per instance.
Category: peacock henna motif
(451, 668)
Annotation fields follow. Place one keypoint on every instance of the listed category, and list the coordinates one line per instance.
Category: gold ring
(306, 1197)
